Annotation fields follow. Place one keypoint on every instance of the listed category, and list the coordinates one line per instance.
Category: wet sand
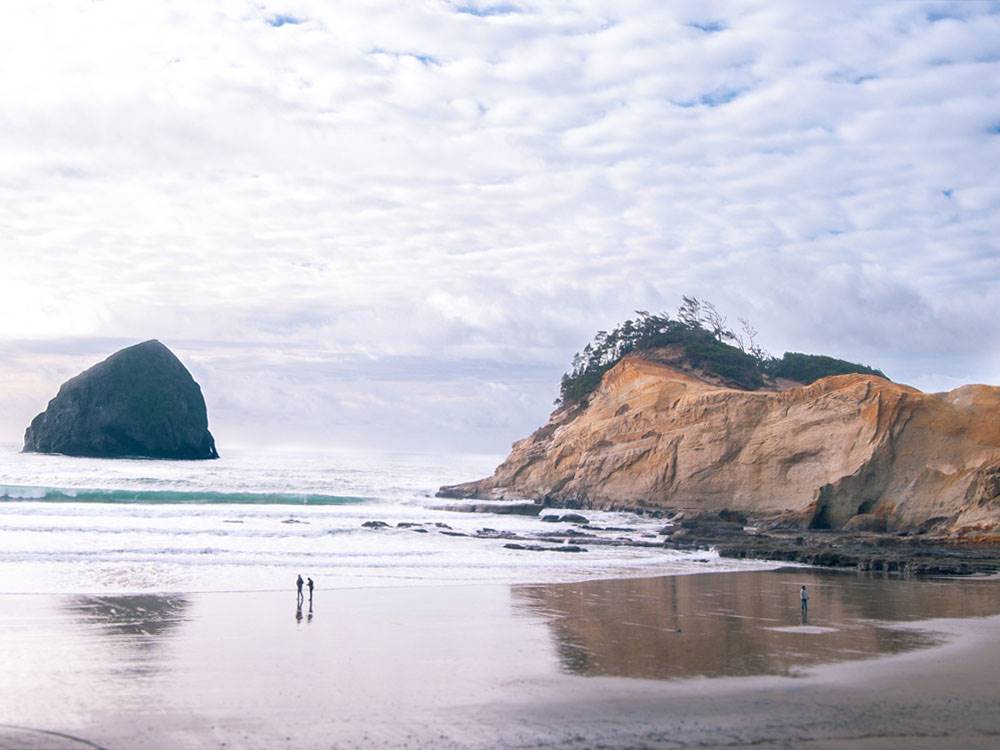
(712, 660)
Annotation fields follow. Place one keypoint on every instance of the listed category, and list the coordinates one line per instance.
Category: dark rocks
(457, 492)
(417, 527)
(610, 528)
(516, 509)
(550, 518)
(865, 522)
(733, 516)
(140, 402)
(574, 518)
(560, 534)
(933, 524)
(869, 552)
(704, 526)
(494, 534)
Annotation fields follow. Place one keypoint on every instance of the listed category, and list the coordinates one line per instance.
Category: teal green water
(170, 497)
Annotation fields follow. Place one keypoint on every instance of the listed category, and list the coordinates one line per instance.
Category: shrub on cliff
(806, 368)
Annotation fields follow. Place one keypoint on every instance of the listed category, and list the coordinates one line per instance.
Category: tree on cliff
(707, 343)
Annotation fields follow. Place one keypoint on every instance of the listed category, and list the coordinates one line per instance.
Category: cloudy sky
(392, 223)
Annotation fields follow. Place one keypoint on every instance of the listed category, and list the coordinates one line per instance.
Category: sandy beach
(710, 660)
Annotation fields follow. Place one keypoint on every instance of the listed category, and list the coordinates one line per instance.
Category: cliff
(140, 402)
(849, 451)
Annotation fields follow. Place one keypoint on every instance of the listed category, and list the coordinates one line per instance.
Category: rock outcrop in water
(140, 402)
(849, 451)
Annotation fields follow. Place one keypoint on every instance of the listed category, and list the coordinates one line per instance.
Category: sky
(387, 224)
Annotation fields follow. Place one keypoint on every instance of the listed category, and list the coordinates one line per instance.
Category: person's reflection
(298, 612)
(310, 617)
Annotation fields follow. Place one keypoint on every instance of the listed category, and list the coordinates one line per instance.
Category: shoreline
(669, 661)
(639, 575)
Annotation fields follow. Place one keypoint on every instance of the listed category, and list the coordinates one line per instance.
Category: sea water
(255, 519)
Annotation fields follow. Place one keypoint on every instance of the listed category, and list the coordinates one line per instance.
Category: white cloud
(382, 181)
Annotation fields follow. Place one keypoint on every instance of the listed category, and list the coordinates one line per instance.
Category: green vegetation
(805, 368)
(707, 343)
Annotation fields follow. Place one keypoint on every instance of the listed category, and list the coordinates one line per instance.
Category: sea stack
(141, 402)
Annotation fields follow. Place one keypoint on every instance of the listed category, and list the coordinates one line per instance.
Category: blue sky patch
(281, 19)
(419, 56)
(485, 11)
(720, 96)
(852, 78)
(941, 14)
(708, 27)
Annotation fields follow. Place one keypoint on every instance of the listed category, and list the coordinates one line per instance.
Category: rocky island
(724, 441)
(141, 402)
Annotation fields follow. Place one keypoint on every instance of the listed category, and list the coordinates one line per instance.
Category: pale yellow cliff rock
(654, 435)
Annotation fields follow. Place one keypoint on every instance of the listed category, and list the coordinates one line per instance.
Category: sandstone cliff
(140, 402)
(854, 451)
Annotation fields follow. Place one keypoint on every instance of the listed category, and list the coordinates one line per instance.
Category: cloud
(442, 183)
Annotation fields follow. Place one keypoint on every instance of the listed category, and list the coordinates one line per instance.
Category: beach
(707, 660)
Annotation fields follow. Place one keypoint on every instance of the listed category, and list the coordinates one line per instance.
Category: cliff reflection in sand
(747, 624)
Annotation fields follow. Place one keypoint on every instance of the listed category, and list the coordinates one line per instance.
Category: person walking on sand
(804, 599)
(310, 584)
(298, 586)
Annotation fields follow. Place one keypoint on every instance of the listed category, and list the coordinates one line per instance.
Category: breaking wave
(170, 497)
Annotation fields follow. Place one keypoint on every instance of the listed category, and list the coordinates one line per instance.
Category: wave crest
(169, 497)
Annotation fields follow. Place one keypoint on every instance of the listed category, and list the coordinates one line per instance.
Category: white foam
(97, 547)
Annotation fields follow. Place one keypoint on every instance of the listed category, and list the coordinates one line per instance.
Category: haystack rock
(854, 451)
(140, 402)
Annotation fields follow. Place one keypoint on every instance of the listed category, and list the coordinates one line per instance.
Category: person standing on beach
(298, 586)
(804, 598)
(310, 584)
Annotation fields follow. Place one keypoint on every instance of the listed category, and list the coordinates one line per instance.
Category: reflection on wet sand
(141, 620)
(747, 624)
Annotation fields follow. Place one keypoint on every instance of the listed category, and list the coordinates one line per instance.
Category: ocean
(255, 519)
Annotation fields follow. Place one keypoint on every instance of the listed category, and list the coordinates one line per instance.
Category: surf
(26, 493)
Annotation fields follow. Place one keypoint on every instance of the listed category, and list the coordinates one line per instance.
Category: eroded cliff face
(854, 450)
